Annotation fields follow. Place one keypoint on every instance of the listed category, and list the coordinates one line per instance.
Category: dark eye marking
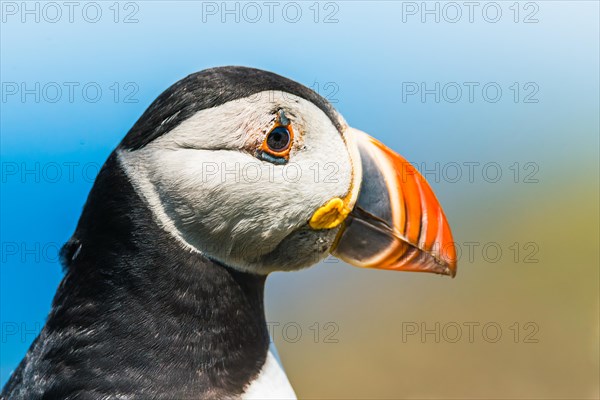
(275, 160)
(277, 144)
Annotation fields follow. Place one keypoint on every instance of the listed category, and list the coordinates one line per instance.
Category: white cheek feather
(271, 383)
(219, 200)
(138, 175)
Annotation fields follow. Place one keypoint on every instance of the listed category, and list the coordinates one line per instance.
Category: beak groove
(396, 223)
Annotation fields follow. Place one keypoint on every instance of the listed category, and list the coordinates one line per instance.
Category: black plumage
(136, 315)
(211, 88)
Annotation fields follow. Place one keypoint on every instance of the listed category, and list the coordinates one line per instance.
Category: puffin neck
(192, 326)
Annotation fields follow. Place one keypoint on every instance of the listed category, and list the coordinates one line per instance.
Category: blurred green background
(344, 332)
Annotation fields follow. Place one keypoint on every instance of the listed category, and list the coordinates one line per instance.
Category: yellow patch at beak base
(330, 215)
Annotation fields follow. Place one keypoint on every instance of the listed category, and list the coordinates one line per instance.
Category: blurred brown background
(555, 356)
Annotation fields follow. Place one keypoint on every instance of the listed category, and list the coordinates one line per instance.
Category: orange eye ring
(278, 142)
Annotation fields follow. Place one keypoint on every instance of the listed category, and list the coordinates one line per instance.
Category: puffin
(231, 174)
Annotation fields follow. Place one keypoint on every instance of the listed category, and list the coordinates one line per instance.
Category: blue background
(361, 62)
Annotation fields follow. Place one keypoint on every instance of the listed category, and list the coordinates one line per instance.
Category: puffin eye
(278, 139)
(277, 144)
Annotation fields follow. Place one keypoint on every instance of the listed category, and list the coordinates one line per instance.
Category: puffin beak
(396, 222)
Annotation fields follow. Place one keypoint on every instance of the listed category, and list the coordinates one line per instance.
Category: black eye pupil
(278, 139)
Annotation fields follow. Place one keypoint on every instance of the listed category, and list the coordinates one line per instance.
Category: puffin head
(261, 174)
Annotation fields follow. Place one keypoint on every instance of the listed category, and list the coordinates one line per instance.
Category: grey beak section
(366, 229)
